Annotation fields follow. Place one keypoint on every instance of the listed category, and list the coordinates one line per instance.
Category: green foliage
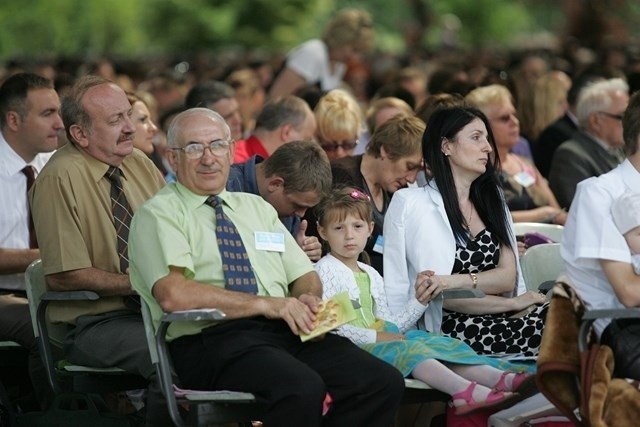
(34, 28)
(41, 28)
(486, 21)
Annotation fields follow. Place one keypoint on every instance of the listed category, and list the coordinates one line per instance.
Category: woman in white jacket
(459, 227)
(449, 365)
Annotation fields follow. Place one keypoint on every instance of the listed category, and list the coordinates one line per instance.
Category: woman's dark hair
(485, 192)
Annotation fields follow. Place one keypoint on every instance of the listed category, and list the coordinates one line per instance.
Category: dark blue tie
(238, 273)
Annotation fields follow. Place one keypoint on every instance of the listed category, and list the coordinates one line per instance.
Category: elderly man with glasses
(596, 148)
(196, 245)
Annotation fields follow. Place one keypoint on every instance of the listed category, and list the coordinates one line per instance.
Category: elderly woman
(339, 119)
(323, 61)
(457, 229)
(527, 192)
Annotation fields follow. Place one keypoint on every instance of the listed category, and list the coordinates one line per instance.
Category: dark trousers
(117, 339)
(623, 336)
(265, 358)
(15, 325)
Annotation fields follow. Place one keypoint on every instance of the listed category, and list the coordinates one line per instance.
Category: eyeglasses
(195, 151)
(610, 115)
(334, 146)
(505, 118)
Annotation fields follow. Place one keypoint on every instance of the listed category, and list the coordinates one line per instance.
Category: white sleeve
(308, 60)
(331, 286)
(397, 284)
(407, 318)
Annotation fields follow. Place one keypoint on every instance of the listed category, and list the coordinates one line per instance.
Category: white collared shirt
(14, 209)
(590, 235)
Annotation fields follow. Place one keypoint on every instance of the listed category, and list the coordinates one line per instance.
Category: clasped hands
(428, 286)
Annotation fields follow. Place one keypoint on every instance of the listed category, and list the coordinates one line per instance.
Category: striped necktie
(30, 173)
(238, 273)
(121, 215)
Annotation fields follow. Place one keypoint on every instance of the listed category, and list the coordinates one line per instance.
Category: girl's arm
(405, 319)
(332, 285)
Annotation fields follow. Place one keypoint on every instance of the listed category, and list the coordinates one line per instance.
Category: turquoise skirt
(419, 346)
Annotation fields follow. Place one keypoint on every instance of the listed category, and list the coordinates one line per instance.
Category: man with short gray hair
(597, 147)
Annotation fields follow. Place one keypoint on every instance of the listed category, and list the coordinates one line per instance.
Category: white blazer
(418, 237)
(336, 277)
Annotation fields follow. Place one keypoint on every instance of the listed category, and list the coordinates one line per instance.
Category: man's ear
(172, 158)
(274, 183)
(285, 132)
(79, 135)
(13, 120)
(594, 122)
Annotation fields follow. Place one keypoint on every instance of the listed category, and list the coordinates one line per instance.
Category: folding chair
(541, 265)
(62, 375)
(202, 407)
(552, 231)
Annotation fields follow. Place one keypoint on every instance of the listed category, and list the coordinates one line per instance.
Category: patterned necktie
(238, 273)
(121, 215)
(30, 173)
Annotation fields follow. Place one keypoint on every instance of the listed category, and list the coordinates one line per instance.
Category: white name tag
(524, 179)
(379, 245)
(266, 241)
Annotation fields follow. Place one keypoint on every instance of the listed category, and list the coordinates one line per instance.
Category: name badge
(379, 245)
(266, 241)
(525, 179)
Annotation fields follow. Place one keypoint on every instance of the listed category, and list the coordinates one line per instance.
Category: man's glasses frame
(611, 115)
(195, 150)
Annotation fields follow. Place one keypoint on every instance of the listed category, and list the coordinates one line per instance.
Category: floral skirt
(497, 334)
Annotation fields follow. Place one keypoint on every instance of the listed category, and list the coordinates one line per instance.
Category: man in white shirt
(29, 123)
(596, 254)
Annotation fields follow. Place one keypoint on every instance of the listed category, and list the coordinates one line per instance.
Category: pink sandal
(495, 399)
(522, 383)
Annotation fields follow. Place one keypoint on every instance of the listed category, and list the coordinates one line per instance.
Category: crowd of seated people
(438, 150)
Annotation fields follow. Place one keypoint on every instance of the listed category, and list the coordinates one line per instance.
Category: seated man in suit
(195, 245)
(597, 147)
(295, 178)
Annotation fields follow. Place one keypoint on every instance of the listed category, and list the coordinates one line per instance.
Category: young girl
(446, 364)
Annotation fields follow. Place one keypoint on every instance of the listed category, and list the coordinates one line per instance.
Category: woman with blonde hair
(526, 191)
(323, 61)
(146, 129)
(340, 122)
(544, 103)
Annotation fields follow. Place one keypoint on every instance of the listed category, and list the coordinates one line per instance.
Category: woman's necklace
(469, 216)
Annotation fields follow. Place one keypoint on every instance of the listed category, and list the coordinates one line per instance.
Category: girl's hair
(341, 202)
(485, 192)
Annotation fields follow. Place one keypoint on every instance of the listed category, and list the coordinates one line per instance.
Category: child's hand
(428, 286)
(388, 336)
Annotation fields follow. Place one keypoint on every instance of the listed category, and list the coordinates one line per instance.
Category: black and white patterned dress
(495, 334)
